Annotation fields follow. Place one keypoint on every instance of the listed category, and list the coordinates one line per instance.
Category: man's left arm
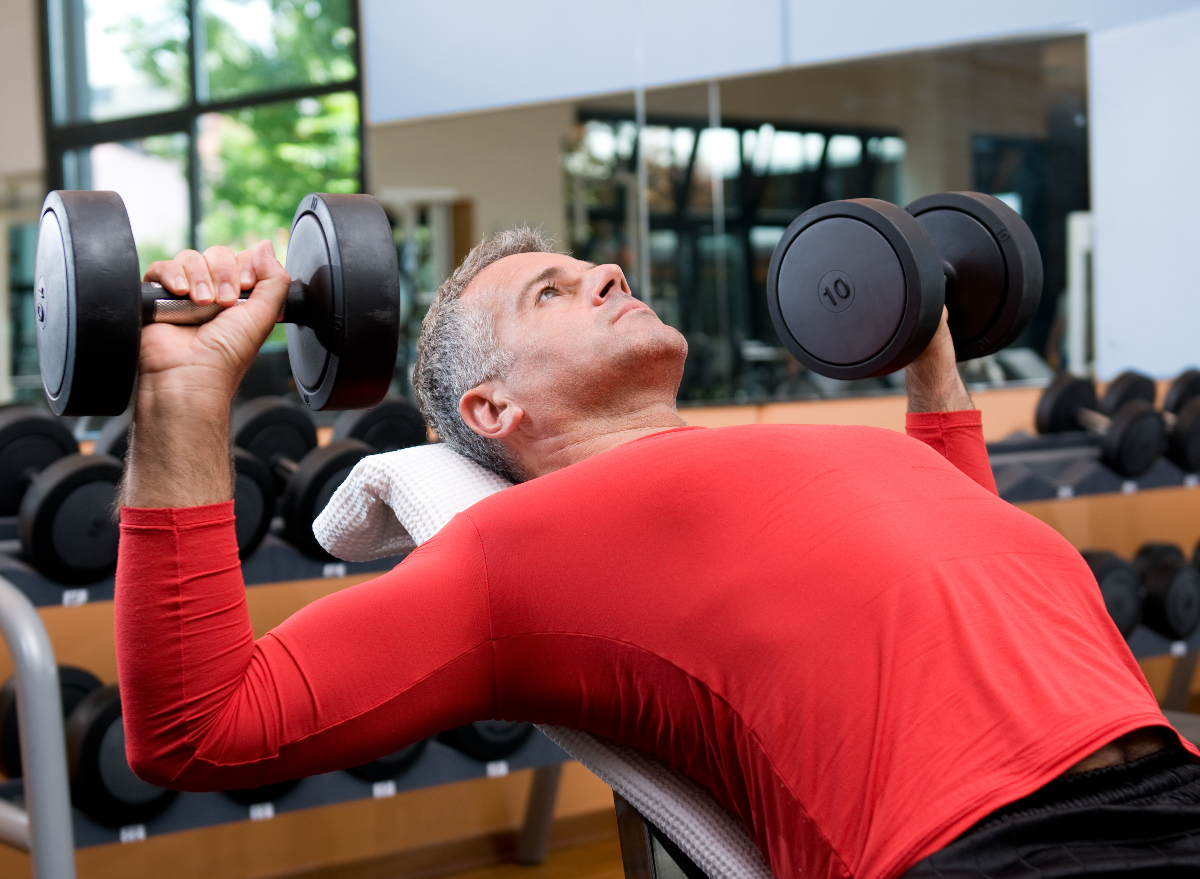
(940, 411)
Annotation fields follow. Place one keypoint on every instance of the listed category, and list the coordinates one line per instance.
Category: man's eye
(548, 293)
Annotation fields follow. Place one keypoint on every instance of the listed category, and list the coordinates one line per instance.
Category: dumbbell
(391, 765)
(342, 310)
(487, 739)
(856, 288)
(73, 685)
(281, 434)
(1172, 590)
(1120, 588)
(1180, 412)
(253, 486)
(1131, 434)
(103, 786)
(63, 500)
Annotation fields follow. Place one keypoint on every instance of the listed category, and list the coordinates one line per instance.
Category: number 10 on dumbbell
(342, 311)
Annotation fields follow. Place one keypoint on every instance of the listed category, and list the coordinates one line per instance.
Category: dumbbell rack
(1061, 466)
(35, 811)
(274, 561)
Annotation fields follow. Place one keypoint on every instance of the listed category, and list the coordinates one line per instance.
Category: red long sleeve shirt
(842, 632)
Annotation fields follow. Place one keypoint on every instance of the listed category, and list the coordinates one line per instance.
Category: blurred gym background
(676, 139)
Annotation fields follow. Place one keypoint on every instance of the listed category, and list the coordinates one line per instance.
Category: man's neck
(586, 437)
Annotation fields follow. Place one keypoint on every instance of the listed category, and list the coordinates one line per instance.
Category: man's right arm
(940, 411)
(347, 679)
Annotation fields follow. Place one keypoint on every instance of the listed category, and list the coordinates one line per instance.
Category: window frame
(61, 139)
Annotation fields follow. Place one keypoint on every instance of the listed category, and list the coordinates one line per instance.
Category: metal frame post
(44, 827)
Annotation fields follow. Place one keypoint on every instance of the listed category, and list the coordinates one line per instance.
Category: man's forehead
(508, 277)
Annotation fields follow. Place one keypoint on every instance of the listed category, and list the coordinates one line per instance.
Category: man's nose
(603, 282)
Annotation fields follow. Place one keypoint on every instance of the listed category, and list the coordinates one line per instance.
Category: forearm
(936, 387)
(179, 449)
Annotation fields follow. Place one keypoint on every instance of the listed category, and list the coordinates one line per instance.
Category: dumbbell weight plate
(855, 288)
(1183, 445)
(73, 685)
(66, 524)
(1136, 439)
(487, 739)
(341, 248)
(253, 501)
(993, 268)
(394, 424)
(1057, 406)
(1184, 387)
(1172, 586)
(1119, 587)
(87, 302)
(271, 428)
(30, 440)
(317, 477)
(391, 765)
(1125, 387)
(103, 786)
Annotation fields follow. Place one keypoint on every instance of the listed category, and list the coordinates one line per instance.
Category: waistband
(1172, 770)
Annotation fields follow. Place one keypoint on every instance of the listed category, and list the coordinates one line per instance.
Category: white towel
(392, 502)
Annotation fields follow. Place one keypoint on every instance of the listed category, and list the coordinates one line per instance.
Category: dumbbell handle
(1093, 420)
(162, 307)
(284, 467)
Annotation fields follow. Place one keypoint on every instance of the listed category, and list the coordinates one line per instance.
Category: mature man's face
(580, 340)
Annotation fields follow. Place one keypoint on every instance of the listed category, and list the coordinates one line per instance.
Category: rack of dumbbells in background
(113, 805)
(58, 539)
(1153, 598)
(1116, 442)
(284, 479)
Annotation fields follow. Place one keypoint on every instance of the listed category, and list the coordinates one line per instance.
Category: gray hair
(458, 350)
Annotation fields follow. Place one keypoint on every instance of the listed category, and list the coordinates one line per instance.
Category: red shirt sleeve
(349, 678)
(958, 437)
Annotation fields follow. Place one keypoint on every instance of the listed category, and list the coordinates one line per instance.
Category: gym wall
(1145, 181)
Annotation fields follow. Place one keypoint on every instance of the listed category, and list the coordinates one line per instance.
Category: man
(842, 632)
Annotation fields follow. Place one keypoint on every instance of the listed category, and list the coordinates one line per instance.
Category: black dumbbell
(390, 765)
(253, 486)
(283, 437)
(63, 500)
(1172, 590)
(342, 311)
(394, 424)
(103, 786)
(1119, 586)
(1131, 434)
(856, 288)
(73, 685)
(1181, 412)
(487, 739)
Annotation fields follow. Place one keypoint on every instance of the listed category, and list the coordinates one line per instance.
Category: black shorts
(1139, 819)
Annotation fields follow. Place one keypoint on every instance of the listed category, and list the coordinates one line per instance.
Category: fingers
(271, 278)
(215, 276)
(245, 261)
(169, 273)
(225, 272)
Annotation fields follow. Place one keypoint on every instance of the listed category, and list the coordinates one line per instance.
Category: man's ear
(489, 411)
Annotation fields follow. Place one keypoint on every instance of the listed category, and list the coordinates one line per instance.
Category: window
(211, 118)
(707, 282)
